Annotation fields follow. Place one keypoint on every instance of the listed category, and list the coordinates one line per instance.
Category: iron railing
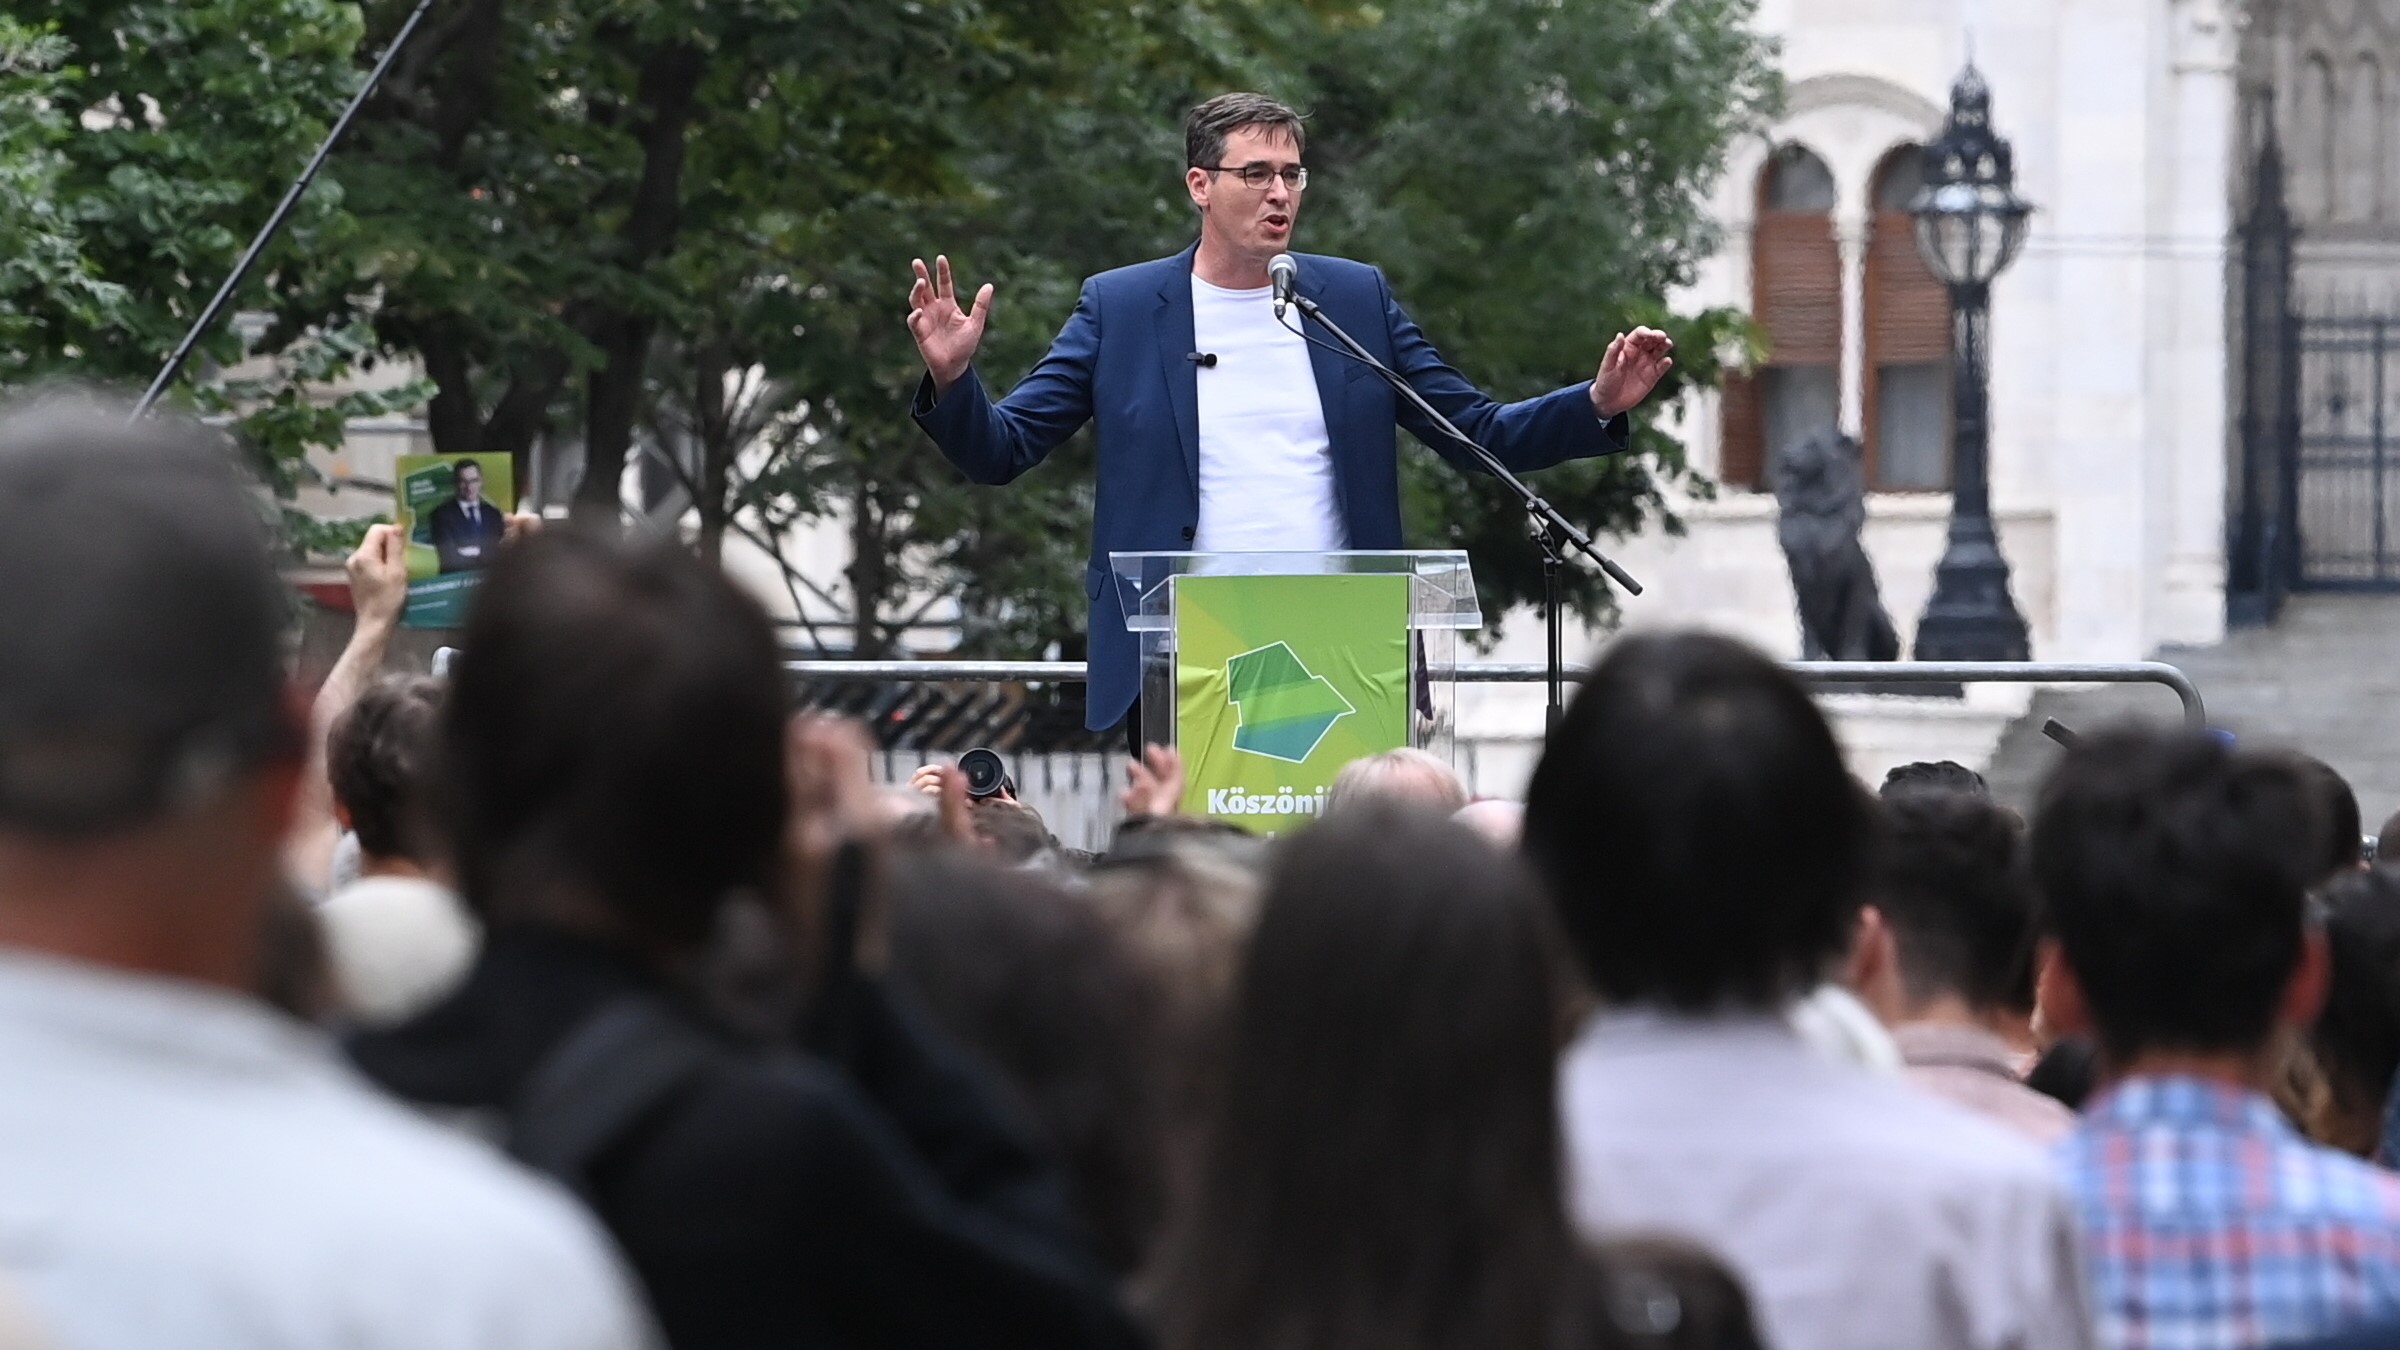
(1938, 674)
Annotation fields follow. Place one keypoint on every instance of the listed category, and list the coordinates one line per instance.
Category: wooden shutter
(1796, 297)
(1741, 459)
(1908, 312)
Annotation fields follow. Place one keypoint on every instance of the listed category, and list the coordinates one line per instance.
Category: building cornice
(1850, 91)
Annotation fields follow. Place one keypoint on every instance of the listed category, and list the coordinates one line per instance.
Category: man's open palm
(1633, 365)
(946, 334)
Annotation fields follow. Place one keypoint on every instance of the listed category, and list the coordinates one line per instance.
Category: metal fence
(2345, 472)
(2314, 491)
(1075, 784)
(1899, 674)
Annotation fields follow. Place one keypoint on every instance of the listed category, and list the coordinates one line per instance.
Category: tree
(1530, 174)
(44, 272)
(1029, 173)
(547, 190)
(1533, 176)
(142, 143)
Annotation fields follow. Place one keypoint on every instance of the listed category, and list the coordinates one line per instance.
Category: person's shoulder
(411, 1164)
(773, 1110)
(1337, 268)
(1918, 1139)
(372, 1182)
(1141, 276)
(2354, 1189)
(761, 1143)
(1327, 276)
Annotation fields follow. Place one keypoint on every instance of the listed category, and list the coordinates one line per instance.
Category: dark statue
(1821, 493)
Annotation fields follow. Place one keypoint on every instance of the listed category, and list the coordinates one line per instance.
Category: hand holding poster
(453, 511)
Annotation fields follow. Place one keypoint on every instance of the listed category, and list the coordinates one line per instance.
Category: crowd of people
(585, 998)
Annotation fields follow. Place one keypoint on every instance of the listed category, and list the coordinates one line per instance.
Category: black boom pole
(274, 225)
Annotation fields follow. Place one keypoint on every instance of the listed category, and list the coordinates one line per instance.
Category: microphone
(1283, 272)
(1204, 360)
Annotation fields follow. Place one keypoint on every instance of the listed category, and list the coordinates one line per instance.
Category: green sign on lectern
(1279, 682)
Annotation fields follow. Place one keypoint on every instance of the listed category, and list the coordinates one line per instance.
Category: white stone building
(2117, 352)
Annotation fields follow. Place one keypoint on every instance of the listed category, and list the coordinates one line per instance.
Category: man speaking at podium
(1222, 429)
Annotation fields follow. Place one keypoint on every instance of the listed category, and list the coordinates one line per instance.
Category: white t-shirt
(1266, 462)
(397, 945)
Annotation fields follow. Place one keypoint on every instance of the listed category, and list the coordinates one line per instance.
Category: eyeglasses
(1256, 176)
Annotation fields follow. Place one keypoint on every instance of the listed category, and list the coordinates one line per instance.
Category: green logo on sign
(1284, 709)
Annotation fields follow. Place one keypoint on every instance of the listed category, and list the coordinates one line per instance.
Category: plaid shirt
(2209, 1224)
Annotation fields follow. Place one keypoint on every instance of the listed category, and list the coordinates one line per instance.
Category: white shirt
(396, 945)
(184, 1167)
(1266, 461)
(1860, 1213)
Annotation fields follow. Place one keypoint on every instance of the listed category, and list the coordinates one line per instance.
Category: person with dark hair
(1708, 853)
(618, 789)
(2067, 1071)
(999, 825)
(466, 529)
(2185, 948)
(1243, 437)
(1039, 981)
(1941, 775)
(1945, 953)
(2339, 847)
(398, 937)
(2356, 1039)
(183, 1164)
(1382, 1170)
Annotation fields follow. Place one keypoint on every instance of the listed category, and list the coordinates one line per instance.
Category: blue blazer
(1123, 361)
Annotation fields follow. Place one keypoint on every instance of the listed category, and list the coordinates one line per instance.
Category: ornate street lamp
(1970, 224)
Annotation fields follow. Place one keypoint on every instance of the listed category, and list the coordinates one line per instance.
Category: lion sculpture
(1820, 493)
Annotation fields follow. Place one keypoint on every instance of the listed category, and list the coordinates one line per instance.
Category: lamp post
(1970, 224)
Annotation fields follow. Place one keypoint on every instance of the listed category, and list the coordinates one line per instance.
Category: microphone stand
(1549, 527)
(274, 225)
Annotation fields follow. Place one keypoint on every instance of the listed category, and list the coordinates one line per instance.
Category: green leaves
(45, 274)
(1532, 177)
(1530, 174)
(142, 143)
(684, 227)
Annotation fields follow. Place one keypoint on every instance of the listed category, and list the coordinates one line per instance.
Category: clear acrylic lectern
(1296, 658)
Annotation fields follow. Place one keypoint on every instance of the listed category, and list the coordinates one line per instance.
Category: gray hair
(1206, 127)
(1407, 776)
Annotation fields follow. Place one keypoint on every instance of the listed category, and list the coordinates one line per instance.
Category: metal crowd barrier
(1901, 673)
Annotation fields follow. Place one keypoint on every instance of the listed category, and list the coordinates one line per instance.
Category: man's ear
(1873, 969)
(2059, 1007)
(2304, 993)
(1195, 182)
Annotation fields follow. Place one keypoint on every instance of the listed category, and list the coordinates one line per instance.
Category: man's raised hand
(946, 334)
(1633, 365)
(378, 572)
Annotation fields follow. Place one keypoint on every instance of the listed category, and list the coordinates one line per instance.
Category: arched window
(1907, 395)
(2361, 142)
(2313, 141)
(1796, 297)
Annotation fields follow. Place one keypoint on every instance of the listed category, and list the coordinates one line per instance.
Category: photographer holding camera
(980, 810)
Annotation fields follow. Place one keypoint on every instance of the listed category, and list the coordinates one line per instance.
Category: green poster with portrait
(453, 511)
(1279, 682)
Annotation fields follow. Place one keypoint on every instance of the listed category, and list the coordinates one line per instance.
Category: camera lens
(986, 774)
